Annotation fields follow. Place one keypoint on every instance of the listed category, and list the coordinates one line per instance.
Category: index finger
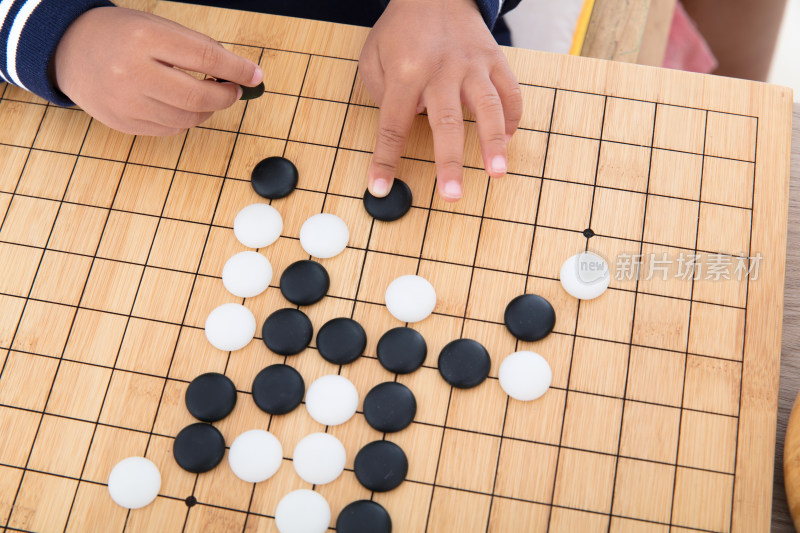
(394, 123)
(198, 53)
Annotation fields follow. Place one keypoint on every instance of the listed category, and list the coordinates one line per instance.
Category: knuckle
(448, 118)
(496, 138)
(490, 103)
(390, 137)
(209, 54)
(384, 164)
(195, 99)
(450, 163)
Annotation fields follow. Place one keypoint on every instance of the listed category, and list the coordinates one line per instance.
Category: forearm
(29, 34)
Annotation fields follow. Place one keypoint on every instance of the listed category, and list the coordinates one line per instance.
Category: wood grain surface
(663, 408)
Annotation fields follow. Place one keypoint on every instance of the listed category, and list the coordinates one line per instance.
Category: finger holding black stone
(287, 331)
(381, 466)
(198, 448)
(341, 341)
(390, 407)
(464, 363)
(274, 177)
(402, 350)
(305, 282)
(392, 206)
(278, 389)
(210, 397)
(530, 317)
(364, 516)
(248, 93)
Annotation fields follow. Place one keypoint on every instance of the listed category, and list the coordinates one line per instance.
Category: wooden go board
(662, 412)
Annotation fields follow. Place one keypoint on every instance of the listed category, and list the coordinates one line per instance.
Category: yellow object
(580, 28)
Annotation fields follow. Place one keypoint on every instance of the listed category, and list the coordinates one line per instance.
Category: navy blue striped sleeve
(30, 31)
(493, 9)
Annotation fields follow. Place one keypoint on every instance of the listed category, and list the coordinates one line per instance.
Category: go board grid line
(744, 339)
(381, 252)
(523, 84)
(467, 491)
(460, 336)
(421, 423)
(688, 332)
(342, 195)
(633, 323)
(572, 348)
(516, 341)
(25, 306)
(479, 320)
(407, 158)
(200, 262)
(596, 165)
(492, 378)
(434, 209)
(127, 321)
(466, 120)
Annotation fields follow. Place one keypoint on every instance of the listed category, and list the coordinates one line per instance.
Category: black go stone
(274, 177)
(530, 317)
(390, 407)
(402, 350)
(305, 282)
(250, 93)
(287, 331)
(364, 516)
(341, 341)
(392, 206)
(464, 363)
(198, 448)
(381, 466)
(278, 389)
(211, 397)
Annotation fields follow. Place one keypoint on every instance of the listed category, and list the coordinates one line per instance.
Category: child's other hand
(436, 55)
(117, 64)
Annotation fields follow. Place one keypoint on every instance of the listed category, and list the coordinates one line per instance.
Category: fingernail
(452, 189)
(380, 187)
(258, 76)
(499, 164)
(239, 92)
(508, 139)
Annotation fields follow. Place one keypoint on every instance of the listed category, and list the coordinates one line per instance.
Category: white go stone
(303, 511)
(255, 456)
(410, 298)
(319, 458)
(331, 400)
(134, 482)
(585, 276)
(247, 274)
(525, 376)
(230, 327)
(258, 225)
(324, 235)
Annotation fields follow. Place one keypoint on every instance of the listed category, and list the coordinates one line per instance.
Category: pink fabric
(686, 48)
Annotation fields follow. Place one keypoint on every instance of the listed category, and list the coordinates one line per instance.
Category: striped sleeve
(493, 9)
(30, 31)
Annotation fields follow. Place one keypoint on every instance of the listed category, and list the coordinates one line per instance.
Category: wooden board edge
(752, 498)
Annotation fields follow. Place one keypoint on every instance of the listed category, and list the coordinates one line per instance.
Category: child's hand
(117, 64)
(436, 55)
